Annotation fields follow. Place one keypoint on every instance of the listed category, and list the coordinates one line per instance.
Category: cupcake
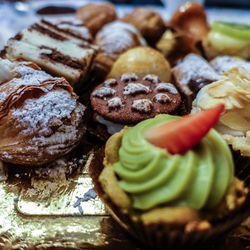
(130, 99)
(228, 39)
(170, 181)
(234, 92)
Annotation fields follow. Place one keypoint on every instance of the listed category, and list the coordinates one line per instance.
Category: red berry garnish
(180, 135)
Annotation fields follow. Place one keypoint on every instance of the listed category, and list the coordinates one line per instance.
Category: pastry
(40, 117)
(234, 92)
(56, 48)
(184, 33)
(131, 99)
(192, 19)
(148, 21)
(114, 39)
(227, 39)
(221, 64)
(142, 61)
(95, 16)
(191, 74)
(154, 193)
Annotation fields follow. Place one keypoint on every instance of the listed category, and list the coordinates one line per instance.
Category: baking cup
(162, 236)
(242, 166)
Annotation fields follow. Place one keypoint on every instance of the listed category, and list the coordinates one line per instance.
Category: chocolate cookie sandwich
(131, 99)
(61, 49)
(170, 181)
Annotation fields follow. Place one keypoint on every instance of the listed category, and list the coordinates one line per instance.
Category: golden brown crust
(40, 118)
(188, 27)
(95, 16)
(149, 22)
(191, 18)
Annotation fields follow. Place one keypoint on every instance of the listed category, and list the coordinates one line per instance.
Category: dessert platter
(125, 132)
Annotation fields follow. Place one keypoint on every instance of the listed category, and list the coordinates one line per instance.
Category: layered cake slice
(62, 49)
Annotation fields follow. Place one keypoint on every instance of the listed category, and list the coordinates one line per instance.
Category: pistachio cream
(197, 179)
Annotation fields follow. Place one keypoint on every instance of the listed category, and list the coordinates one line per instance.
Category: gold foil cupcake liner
(163, 236)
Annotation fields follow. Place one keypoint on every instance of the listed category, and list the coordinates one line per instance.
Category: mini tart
(163, 225)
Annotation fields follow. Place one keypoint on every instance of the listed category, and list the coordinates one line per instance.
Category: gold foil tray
(55, 207)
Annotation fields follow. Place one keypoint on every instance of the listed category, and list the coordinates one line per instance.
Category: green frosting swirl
(197, 179)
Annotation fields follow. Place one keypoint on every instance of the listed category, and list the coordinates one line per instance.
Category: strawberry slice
(182, 134)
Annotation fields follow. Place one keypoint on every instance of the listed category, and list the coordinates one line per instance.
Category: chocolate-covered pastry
(95, 16)
(131, 99)
(62, 49)
(148, 21)
(114, 39)
(40, 117)
(191, 74)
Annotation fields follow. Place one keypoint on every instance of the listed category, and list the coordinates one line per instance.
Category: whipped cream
(112, 127)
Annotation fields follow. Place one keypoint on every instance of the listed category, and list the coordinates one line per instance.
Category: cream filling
(6, 70)
(112, 127)
(66, 47)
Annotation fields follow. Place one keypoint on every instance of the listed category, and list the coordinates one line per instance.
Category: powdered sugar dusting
(24, 76)
(224, 63)
(40, 115)
(194, 67)
(117, 37)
